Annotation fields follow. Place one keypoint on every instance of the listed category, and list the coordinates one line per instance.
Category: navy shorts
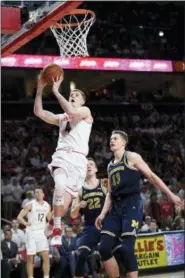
(124, 217)
(90, 238)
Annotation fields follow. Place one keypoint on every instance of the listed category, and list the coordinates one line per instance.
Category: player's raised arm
(73, 107)
(44, 115)
(141, 165)
(23, 213)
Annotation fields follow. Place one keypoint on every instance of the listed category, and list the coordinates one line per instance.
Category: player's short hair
(38, 188)
(123, 134)
(81, 92)
(92, 159)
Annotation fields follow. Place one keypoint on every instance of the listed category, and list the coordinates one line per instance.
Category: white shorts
(36, 242)
(75, 166)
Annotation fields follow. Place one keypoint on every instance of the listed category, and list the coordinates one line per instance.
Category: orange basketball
(50, 72)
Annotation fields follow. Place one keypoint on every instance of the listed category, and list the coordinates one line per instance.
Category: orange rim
(75, 12)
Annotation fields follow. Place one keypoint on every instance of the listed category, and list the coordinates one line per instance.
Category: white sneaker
(56, 241)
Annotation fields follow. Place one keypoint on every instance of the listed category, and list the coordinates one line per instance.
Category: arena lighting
(161, 34)
(72, 85)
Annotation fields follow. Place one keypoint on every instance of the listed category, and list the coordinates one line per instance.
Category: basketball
(51, 72)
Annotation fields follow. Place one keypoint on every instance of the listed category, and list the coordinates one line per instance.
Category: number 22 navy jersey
(95, 199)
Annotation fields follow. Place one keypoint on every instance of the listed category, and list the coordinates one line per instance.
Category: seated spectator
(182, 224)
(68, 251)
(11, 261)
(146, 227)
(154, 227)
(18, 236)
(178, 223)
(5, 228)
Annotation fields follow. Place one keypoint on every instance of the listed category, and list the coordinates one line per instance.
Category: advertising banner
(87, 63)
(174, 248)
(150, 251)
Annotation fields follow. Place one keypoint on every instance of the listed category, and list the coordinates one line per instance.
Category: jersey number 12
(40, 217)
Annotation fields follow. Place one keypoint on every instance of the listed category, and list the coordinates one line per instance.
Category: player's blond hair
(123, 134)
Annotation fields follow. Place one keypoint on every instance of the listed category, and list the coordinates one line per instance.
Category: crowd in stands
(27, 146)
(132, 30)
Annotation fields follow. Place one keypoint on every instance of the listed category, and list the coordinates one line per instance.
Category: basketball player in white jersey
(69, 164)
(36, 211)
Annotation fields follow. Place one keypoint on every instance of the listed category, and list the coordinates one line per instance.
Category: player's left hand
(177, 200)
(83, 204)
(56, 84)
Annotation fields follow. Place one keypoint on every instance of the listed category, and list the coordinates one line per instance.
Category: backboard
(48, 13)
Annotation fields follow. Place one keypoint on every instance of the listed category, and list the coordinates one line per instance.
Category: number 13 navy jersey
(124, 179)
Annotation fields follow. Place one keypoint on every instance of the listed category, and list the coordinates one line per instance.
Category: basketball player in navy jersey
(90, 201)
(123, 208)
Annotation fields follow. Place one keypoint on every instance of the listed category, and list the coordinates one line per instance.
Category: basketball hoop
(71, 32)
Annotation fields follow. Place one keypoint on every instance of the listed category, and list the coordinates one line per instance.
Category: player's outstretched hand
(177, 201)
(98, 222)
(83, 204)
(56, 84)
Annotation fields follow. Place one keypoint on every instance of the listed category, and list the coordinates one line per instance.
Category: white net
(71, 33)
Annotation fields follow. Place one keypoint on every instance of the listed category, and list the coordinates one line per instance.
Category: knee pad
(60, 179)
(82, 257)
(105, 247)
(127, 250)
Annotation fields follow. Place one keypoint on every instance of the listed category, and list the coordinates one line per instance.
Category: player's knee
(60, 179)
(105, 247)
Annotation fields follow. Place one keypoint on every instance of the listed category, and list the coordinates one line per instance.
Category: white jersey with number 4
(37, 215)
(78, 137)
(71, 152)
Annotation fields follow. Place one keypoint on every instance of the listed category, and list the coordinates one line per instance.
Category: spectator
(29, 197)
(17, 196)
(56, 263)
(154, 227)
(18, 236)
(68, 250)
(7, 190)
(182, 224)
(147, 223)
(176, 223)
(154, 209)
(11, 261)
(167, 209)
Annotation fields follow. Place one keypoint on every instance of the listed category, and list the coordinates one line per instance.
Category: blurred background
(148, 105)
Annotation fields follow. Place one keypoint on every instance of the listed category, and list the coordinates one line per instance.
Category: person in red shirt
(166, 208)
